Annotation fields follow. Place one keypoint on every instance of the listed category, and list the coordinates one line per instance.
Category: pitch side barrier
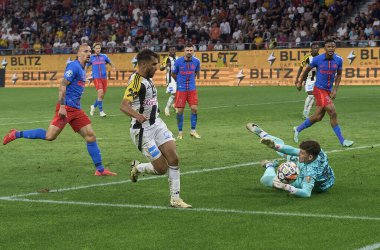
(361, 66)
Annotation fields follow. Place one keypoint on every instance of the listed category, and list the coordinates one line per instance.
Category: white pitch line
(371, 247)
(211, 210)
(162, 176)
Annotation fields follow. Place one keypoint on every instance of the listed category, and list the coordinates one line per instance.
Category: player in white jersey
(168, 64)
(309, 83)
(148, 132)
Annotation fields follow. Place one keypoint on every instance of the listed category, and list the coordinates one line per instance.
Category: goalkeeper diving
(316, 175)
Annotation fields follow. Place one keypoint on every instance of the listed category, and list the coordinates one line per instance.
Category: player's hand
(140, 118)
(333, 94)
(62, 112)
(299, 85)
(278, 184)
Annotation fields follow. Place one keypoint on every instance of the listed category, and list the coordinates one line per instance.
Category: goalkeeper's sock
(174, 181)
(180, 121)
(193, 119)
(146, 168)
(338, 133)
(304, 125)
(38, 133)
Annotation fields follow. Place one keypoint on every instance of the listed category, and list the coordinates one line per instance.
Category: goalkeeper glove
(279, 185)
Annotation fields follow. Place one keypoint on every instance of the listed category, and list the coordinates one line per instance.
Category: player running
(68, 110)
(168, 64)
(310, 80)
(316, 175)
(329, 68)
(98, 62)
(148, 132)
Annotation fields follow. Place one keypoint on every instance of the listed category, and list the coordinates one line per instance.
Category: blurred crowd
(51, 26)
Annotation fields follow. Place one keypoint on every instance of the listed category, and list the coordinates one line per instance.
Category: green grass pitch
(220, 177)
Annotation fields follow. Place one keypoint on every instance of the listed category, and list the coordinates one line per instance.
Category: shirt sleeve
(306, 188)
(176, 67)
(107, 59)
(340, 64)
(70, 72)
(305, 61)
(314, 62)
(198, 67)
(133, 88)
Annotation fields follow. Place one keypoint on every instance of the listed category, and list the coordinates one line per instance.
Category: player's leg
(102, 89)
(180, 102)
(193, 101)
(82, 125)
(95, 105)
(269, 174)
(55, 128)
(330, 109)
(171, 89)
(309, 101)
(317, 116)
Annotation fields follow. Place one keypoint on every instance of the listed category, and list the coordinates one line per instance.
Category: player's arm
(305, 190)
(303, 63)
(303, 77)
(298, 75)
(62, 98)
(197, 70)
(165, 64)
(130, 94)
(175, 71)
(337, 83)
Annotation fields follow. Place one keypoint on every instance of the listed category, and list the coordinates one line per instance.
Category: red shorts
(181, 97)
(101, 83)
(75, 117)
(322, 97)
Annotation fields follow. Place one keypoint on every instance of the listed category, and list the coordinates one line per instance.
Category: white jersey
(142, 94)
(311, 77)
(169, 69)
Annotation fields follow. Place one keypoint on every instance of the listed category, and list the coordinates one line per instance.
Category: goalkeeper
(315, 172)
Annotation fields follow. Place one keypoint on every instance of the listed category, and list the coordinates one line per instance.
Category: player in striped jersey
(168, 64)
(148, 132)
(310, 80)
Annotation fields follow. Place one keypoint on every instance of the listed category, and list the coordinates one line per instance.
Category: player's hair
(314, 44)
(96, 44)
(311, 147)
(189, 45)
(329, 40)
(146, 55)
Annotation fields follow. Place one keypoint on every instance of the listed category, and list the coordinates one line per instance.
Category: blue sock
(180, 122)
(38, 133)
(100, 103)
(95, 154)
(193, 119)
(338, 133)
(304, 125)
(96, 103)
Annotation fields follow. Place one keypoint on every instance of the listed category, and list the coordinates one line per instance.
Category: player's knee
(50, 137)
(267, 180)
(319, 118)
(174, 161)
(90, 138)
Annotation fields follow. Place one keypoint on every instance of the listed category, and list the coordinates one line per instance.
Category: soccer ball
(288, 172)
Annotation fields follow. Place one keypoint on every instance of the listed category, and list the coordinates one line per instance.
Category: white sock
(311, 102)
(146, 168)
(174, 181)
(262, 134)
(170, 101)
(308, 99)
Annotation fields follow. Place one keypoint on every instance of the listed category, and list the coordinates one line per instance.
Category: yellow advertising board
(255, 67)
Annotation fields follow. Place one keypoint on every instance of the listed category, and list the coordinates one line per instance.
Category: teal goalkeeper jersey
(315, 176)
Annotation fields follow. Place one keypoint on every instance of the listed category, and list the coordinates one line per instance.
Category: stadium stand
(58, 27)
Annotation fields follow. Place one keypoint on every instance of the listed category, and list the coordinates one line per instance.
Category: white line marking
(371, 247)
(211, 210)
(162, 176)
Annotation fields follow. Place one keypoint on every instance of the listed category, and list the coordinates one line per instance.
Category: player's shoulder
(338, 58)
(136, 80)
(196, 59)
